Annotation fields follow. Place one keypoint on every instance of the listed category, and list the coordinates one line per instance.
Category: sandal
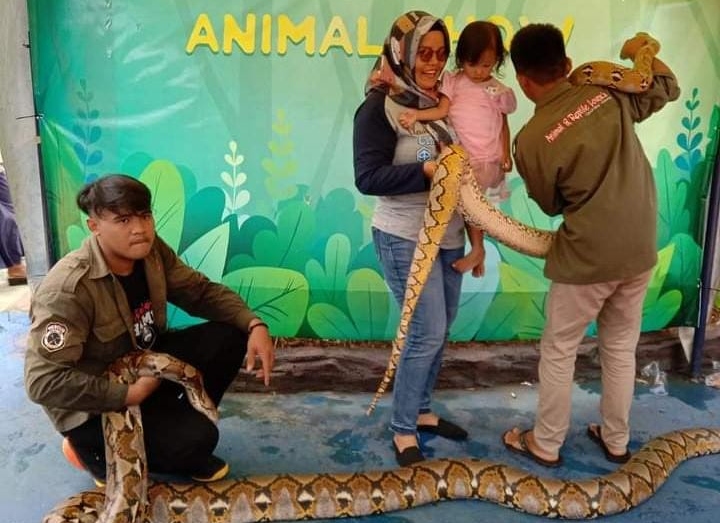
(524, 450)
(593, 432)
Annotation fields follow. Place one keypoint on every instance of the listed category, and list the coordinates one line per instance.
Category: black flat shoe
(409, 456)
(446, 429)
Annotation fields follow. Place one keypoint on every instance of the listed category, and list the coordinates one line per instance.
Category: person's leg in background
(11, 249)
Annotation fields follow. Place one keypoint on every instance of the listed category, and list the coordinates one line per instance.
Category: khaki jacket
(81, 322)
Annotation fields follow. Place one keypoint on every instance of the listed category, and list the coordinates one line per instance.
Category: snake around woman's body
(287, 497)
(130, 498)
(454, 186)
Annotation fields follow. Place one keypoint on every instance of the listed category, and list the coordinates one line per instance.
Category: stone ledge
(303, 365)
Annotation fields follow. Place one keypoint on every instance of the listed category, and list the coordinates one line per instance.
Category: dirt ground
(347, 366)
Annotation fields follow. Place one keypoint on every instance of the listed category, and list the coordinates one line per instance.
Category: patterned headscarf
(394, 70)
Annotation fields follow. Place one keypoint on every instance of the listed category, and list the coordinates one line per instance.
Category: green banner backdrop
(238, 115)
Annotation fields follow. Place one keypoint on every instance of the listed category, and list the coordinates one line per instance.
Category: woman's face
(430, 60)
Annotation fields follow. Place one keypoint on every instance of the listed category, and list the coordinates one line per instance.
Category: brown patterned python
(454, 186)
(130, 498)
(286, 497)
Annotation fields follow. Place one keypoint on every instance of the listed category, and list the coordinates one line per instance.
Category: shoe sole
(220, 474)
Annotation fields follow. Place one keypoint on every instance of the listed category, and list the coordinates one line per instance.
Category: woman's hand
(429, 168)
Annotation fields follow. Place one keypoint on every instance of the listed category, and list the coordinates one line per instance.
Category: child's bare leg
(475, 259)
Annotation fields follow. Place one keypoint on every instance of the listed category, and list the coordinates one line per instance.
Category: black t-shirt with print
(138, 296)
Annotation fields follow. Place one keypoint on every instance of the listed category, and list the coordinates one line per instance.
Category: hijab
(394, 70)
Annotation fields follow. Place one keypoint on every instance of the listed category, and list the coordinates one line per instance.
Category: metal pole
(711, 232)
(18, 137)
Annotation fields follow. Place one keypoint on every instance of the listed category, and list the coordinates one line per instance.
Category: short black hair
(474, 39)
(118, 193)
(538, 52)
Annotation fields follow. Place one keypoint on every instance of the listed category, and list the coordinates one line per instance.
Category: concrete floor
(312, 432)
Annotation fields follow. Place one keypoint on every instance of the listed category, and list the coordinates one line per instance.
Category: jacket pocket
(108, 332)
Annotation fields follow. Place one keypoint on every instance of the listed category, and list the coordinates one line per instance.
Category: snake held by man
(131, 498)
(454, 186)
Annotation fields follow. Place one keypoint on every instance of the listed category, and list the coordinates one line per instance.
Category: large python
(129, 498)
(454, 186)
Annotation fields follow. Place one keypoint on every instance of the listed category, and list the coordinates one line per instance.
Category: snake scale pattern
(129, 496)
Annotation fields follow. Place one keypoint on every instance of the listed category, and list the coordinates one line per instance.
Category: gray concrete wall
(18, 136)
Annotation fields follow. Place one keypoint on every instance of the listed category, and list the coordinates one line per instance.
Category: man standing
(110, 297)
(580, 157)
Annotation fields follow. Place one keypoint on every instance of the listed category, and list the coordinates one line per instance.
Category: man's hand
(141, 389)
(260, 345)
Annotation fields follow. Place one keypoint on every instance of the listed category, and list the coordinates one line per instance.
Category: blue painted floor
(329, 432)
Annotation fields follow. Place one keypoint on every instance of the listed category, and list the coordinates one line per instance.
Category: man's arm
(59, 329)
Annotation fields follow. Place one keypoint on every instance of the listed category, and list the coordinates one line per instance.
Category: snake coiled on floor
(130, 497)
(454, 187)
(287, 497)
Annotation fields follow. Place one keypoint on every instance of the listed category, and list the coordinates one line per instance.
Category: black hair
(538, 52)
(118, 193)
(475, 38)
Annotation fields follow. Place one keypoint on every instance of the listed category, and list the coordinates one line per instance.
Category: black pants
(178, 438)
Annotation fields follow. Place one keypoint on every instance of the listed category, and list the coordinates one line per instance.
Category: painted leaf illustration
(328, 282)
(370, 305)
(63, 186)
(76, 235)
(658, 309)
(207, 255)
(476, 298)
(279, 296)
(166, 186)
(286, 247)
(518, 309)
(330, 322)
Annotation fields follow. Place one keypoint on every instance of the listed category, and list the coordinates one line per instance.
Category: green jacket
(580, 157)
(81, 322)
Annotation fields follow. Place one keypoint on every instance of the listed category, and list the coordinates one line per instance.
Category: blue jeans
(427, 334)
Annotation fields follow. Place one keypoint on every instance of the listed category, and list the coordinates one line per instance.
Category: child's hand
(408, 118)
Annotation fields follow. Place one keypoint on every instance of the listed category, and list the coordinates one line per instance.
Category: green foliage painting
(247, 149)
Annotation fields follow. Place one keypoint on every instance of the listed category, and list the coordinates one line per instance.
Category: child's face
(481, 70)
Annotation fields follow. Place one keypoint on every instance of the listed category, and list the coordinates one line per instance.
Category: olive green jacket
(580, 157)
(81, 322)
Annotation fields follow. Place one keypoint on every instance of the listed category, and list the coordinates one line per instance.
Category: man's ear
(568, 66)
(92, 224)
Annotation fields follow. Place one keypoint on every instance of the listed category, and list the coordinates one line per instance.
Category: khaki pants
(569, 309)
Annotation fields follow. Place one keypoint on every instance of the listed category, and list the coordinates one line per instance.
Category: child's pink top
(476, 111)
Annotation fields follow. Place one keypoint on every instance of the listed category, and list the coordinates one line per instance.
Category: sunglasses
(426, 53)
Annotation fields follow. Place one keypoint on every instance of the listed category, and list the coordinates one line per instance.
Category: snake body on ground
(129, 497)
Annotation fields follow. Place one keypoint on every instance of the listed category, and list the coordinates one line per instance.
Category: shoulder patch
(54, 337)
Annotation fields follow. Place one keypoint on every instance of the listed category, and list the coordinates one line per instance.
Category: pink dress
(476, 113)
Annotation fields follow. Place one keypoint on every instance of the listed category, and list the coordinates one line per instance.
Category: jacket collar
(96, 259)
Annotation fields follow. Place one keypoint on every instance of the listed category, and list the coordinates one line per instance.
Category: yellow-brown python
(454, 186)
(288, 497)
(130, 498)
